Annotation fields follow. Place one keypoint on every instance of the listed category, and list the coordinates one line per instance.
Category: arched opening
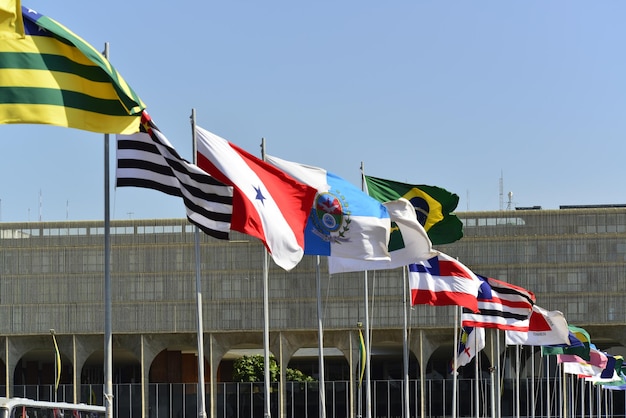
(35, 376)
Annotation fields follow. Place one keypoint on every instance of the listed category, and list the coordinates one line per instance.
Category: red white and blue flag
(501, 305)
(442, 280)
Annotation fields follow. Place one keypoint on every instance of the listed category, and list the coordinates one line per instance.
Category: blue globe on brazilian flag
(433, 206)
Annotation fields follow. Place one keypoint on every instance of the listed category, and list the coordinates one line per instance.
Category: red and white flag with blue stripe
(442, 280)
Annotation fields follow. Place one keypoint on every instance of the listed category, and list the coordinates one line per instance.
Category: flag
(362, 356)
(501, 305)
(267, 203)
(408, 243)
(57, 359)
(442, 280)
(471, 343)
(579, 344)
(433, 206)
(544, 328)
(344, 221)
(147, 159)
(618, 384)
(607, 374)
(11, 23)
(594, 367)
(52, 76)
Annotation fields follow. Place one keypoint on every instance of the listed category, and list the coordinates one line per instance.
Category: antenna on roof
(501, 190)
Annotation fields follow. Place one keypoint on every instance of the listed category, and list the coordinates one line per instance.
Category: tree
(252, 369)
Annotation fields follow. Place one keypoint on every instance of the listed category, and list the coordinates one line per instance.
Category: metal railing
(245, 400)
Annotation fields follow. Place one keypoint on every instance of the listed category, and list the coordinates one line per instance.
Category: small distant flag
(362, 356)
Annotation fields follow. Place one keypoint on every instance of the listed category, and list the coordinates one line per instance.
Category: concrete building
(51, 278)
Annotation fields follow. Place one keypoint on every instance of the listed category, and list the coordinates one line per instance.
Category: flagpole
(548, 384)
(405, 345)
(266, 319)
(498, 368)
(517, 381)
(201, 401)
(494, 377)
(532, 382)
(454, 358)
(320, 330)
(108, 344)
(476, 377)
(422, 377)
(368, 348)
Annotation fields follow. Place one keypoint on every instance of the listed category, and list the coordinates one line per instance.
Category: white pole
(108, 344)
(494, 377)
(422, 377)
(517, 381)
(498, 368)
(532, 382)
(320, 331)
(368, 350)
(266, 319)
(201, 407)
(548, 384)
(405, 346)
(454, 359)
(476, 379)
(368, 347)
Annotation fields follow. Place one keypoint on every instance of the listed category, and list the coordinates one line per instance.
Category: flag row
(50, 75)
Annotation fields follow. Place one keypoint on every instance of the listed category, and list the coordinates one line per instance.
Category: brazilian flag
(433, 206)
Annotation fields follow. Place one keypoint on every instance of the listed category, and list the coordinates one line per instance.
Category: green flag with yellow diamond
(433, 206)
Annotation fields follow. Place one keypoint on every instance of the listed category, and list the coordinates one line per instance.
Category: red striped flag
(501, 305)
(442, 280)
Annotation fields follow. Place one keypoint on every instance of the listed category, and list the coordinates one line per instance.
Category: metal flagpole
(500, 373)
(517, 381)
(548, 384)
(476, 378)
(454, 359)
(108, 344)
(201, 407)
(405, 346)
(494, 377)
(266, 320)
(532, 381)
(320, 330)
(422, 377)
(368, 348)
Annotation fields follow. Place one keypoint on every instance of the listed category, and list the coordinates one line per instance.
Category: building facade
(52, 278)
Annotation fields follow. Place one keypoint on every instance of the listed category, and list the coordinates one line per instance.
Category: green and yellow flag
(433, 206)
(11, 25)
(579, 344)
(49, 75)
(362, 356)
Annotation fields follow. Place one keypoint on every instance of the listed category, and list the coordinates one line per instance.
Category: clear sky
(481, 98)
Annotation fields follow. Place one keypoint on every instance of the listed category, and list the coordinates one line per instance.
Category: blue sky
(463, 95)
